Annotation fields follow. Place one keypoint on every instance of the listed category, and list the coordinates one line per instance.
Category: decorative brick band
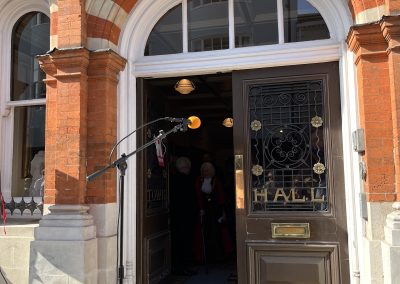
(100, 28)
(105, 19)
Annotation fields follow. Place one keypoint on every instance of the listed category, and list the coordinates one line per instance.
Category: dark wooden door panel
(293, 264)
(290, 197)
(157, 256)
(153, 235)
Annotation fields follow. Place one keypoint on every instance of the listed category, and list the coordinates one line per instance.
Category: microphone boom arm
(122, 165)
(117, 163)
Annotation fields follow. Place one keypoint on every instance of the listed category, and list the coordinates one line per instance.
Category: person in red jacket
(212, 240)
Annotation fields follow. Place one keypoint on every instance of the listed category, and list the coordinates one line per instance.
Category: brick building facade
(93, 70)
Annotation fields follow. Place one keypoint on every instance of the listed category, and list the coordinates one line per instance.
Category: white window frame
(231, 21)
(10, 13)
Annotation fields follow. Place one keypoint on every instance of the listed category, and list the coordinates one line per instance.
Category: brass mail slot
(290, 230)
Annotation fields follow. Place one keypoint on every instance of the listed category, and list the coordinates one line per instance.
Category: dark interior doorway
(211, 101)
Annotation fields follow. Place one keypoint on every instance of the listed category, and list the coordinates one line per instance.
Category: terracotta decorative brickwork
(101, 28)
(378, 89)
(106, 18)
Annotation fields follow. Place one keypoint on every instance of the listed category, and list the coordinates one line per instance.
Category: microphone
(193, 122)
(175, 119)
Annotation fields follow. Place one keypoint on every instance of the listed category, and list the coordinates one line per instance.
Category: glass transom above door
(207, 25)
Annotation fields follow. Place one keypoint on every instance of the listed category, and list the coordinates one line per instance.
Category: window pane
(208, 26)
(256, 22)
(166, 36)
(31, 37)
(303, 22)
(28, 154)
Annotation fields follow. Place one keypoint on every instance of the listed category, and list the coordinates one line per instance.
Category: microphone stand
(122, 165)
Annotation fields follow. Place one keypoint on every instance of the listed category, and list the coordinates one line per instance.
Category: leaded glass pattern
(288, 170)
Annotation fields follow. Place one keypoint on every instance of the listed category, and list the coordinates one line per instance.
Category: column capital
(59, 63)
(366, 41)
(105, 64)
(390, 26)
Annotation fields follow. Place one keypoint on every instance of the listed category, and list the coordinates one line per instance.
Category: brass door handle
(239, 180)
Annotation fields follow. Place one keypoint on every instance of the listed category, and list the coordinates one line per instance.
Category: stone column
(391, 247)
(65, 245)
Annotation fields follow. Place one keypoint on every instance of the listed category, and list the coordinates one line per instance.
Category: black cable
(144, 125)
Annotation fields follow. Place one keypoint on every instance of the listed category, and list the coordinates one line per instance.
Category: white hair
(209, 166)
(182, 164)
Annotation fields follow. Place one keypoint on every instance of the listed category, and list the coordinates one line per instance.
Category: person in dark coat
(212, 240)
(183, 217)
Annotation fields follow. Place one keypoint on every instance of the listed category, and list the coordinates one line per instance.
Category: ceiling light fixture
(228, 122)
(184, 86)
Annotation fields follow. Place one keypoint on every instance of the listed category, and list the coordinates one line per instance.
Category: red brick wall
(81, 123)
(71, 23)
(102, 123)
(81, 104)
(66, 126)
(378, 91)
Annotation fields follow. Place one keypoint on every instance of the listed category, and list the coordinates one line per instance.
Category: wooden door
(153, 233)
(290, 196)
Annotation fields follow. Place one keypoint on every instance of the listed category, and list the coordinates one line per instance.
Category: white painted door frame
(132, 44)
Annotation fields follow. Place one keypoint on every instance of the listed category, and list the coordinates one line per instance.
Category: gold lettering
(263, 194)
(314, 199)
(281, 193)
(294, 194)
(156, 195)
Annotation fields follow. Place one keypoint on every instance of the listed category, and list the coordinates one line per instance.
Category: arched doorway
(133, 45)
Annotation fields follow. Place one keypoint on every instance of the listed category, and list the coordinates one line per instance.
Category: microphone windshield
(195, 122)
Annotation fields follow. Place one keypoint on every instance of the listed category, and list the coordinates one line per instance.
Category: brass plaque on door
(290, 230)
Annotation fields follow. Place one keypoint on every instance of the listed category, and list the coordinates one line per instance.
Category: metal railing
(24, 204)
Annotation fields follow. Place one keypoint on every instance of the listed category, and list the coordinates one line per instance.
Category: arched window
(30, 37)
(166, 36)
(212, 25)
